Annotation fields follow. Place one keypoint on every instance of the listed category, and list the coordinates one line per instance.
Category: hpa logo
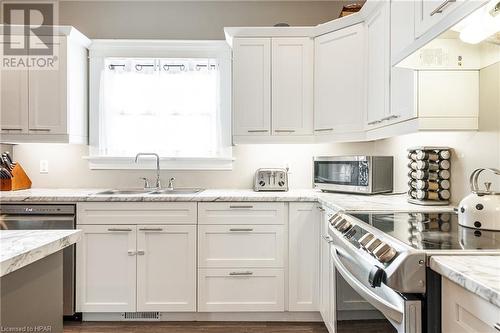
(28, 34)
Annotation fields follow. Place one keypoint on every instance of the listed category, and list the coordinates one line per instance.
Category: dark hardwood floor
(367, 326)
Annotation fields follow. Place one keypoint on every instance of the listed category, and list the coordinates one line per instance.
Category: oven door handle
(388, 309)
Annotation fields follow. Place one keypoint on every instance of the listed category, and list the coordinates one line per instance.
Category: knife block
(19, 181)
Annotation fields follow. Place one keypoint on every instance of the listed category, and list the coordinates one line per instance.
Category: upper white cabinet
(48, 104)
(292, 86)
(430, 12)
(378, 41)
(339, 81)
(252, 86)
(272, 87)
(303, 256)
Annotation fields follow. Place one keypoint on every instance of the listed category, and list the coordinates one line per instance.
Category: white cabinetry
(339, 81)
(241, 257)
(106, 268)
(272, 87)
(430, 12)
(49, 104)
(252, 86)
(327, 285)
(292, 86)
(378, 41)
(138, 264)
(303, 254)
(465, 312)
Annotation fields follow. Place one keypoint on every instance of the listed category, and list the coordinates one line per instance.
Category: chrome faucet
(171, 184)
(158, 181)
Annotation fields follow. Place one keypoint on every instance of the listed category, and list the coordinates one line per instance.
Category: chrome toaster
(271, 180)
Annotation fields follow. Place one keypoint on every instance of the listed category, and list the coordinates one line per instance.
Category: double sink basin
(150, 191)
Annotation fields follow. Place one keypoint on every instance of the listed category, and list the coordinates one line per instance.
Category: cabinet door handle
(392, 116)
(40, 129)
(258, 131)
(323, 129)
(240, 273)
(241, 206)
(441, 7)
(374, 122)
(131, 252)
(328, 239)
(119, 229)
(150, 229)
(241, 229)
(140, 252)
(497, 326)
(321, 208)
(284, 131)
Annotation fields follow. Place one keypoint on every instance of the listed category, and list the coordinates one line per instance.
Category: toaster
(268, 179)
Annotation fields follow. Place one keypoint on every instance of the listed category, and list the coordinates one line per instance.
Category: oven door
(403, 311)
(344, 174)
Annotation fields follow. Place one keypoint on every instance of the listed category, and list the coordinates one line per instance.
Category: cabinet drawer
(136, 213)
(240, 245)
(240, 290)
(242, 213)
(465, 312)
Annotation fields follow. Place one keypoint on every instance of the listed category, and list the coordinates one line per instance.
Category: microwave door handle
(388, 309)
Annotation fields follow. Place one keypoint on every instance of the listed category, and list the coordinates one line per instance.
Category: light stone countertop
(19, 248)
(336, 201)
(478, 274)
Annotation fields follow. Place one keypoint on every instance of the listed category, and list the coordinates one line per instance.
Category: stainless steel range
(384, 257)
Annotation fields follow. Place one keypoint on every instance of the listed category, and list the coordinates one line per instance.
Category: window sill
(166, 163)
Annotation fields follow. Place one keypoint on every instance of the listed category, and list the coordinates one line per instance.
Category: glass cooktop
(432, 231)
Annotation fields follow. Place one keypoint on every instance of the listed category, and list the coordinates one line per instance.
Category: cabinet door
(430, 12)
(292, 86)
(378, 34)
(14, 101)
(403, 81)
(106, 269)
(47, 96)
(166, 268)
(339, 81)
(303, 254)
(252, 86)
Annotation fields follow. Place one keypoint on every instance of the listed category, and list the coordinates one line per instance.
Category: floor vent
(141, 315)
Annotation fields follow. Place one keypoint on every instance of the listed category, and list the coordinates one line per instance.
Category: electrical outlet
(44, 166)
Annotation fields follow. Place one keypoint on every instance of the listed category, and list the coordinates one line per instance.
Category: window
(170, 98)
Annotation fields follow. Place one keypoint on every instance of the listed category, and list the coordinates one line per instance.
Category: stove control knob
(373, 244)
(365, 239)
(262, 183)
(384, 253)
(345, 226)
(281, 183)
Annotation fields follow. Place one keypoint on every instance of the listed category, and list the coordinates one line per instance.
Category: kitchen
(269, 258)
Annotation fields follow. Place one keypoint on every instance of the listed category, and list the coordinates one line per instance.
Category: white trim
(166, 163)
(102, 48)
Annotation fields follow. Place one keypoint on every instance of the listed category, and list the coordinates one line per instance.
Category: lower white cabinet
(106, 269)
(465, 312)
(135, 267)
(240, 290)
(240, 245)
(166, 268)
(327, 295)
(303, 254)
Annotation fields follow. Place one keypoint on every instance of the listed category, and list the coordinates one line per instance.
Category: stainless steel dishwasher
(42, 216)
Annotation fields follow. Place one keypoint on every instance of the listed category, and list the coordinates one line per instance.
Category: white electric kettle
(481, 208)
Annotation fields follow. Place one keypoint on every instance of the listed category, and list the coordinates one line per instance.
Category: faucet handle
(171, 183)
(146, 182)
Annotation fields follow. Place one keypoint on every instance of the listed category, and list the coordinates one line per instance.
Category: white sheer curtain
(167, 106)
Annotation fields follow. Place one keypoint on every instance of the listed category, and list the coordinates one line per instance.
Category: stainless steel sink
(177, 191)
(125, 192)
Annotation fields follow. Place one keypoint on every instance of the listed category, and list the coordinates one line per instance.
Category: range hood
(471, 44)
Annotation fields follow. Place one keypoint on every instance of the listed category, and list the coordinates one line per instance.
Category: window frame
(104, 48)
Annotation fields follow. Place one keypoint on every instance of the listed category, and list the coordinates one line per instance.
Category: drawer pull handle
(284, 131)
(150, 229)
(440, 8)
(241, 229)
(374, 122)
(497, 326)
(258, 131)
(240, 273)
(11, 129)
(40, 129)
(241, 207)
(323, 129)
(131, 252)
(119, 229)
(140, 252)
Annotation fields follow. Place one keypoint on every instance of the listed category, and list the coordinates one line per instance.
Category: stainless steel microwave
(354, 174)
